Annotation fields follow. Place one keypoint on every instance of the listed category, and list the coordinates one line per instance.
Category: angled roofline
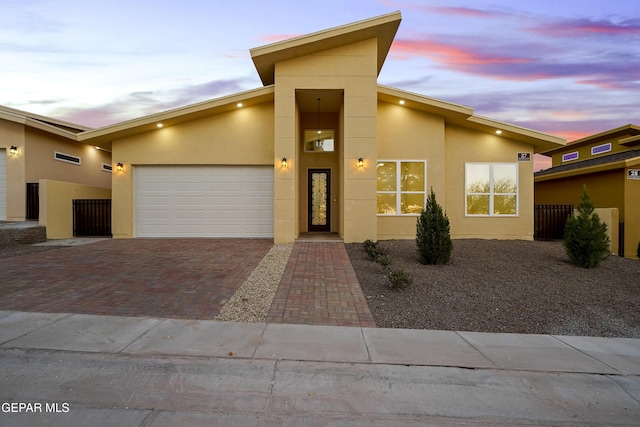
(104, 135)
(620, 160)
(383, 27)
(44, 119)
(611, 133)
(464, 116)
(43, 123)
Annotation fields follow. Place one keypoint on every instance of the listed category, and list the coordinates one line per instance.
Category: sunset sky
(565, 67)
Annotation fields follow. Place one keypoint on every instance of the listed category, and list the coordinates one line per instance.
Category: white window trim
(56, 153)
(491, 192)
(607, 145)
(398, 192)
(570, 154)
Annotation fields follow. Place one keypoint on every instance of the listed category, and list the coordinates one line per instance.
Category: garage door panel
(203, 201)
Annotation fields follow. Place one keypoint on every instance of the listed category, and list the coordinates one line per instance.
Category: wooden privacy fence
(92, 217)
(549, 221)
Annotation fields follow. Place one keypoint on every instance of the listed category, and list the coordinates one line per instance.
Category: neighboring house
(34, 148)
(322, 147)
(608, 163)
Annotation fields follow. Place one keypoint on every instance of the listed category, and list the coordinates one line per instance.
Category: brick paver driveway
(183, 278)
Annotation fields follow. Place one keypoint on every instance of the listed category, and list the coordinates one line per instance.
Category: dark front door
(319, 200)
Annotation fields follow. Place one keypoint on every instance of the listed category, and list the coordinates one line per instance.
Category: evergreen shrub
(433, 238)
(585, 236)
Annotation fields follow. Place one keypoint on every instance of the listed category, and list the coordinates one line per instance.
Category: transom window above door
(401, 186)
(319, 141)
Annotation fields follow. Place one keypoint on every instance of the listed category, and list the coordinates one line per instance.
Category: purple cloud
(586, 27)
(149, 102)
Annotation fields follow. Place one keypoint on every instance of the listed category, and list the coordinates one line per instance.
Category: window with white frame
(401, 186)
(599, 149)
(491, 189)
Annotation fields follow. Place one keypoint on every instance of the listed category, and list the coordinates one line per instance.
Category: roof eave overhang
(621, 164)
(602, 136)
(37, 124)
(7, 113)
(539, 140)
(103, 136)
(463, 116)
(383, 28)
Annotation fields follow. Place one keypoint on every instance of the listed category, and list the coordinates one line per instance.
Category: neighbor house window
(599, 149)
(401, 187)
(491, 189)
(570, 156)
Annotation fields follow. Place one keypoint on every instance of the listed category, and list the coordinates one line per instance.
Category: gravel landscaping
(252, 300)
(503, 286)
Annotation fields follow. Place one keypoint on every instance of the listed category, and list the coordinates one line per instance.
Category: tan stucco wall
(608, 189)
(632, 217)
(56, 205)
(13, 134)
(605, 188)
(353, 69)
(41, 164)
(407, 134)
(611, 218)
(240, 137)
(465, 145)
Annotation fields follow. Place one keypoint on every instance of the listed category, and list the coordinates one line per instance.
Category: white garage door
(3, 184)
(203, 201)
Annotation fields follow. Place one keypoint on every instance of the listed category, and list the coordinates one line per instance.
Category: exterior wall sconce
(283, 163)
(360, 162)
(13, 150)
(119, 167)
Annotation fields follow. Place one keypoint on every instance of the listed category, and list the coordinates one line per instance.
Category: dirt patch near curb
(504, 286)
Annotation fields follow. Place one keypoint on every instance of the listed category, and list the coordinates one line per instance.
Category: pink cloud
(462, 11)
(273, 38)
(445, 10)
(450, 54)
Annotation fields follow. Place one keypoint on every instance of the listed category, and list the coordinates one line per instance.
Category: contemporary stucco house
(608, 163)
(321, 147)
(35, 148)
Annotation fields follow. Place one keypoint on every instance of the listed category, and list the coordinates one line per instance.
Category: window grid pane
(491, 189)
(400, 187)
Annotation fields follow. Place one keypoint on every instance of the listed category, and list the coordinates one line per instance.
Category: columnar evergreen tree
(585, 236)
(433, 239)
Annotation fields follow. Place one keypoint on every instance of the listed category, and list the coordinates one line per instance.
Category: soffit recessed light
(402, 101)
(498, 132)
(239, 105)
(159, 125)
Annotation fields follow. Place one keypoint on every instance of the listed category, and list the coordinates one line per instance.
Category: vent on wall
(66, 158)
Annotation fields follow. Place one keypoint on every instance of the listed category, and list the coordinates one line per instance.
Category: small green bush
(383, 260)
(585, 236)
(433, 239)
(399, 279)
(371, 248)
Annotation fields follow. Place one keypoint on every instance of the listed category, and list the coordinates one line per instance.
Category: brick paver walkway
(320, 287)
(180, 278)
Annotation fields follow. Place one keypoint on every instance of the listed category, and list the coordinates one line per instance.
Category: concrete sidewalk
(100, 370)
